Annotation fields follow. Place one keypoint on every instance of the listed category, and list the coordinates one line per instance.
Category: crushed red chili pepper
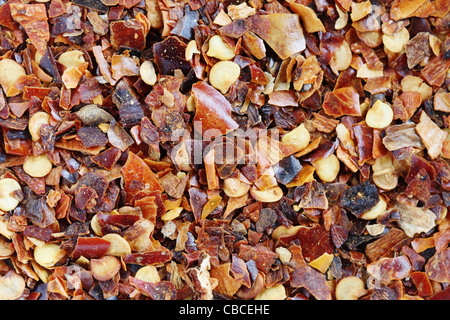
(221, 149)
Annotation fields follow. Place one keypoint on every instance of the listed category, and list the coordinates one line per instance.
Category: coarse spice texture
(224, 149)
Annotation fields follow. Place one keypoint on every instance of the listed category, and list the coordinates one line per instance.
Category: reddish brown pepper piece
(138, 176)
(340, 102)
(148, 258)
(90, 248)
(213, 111)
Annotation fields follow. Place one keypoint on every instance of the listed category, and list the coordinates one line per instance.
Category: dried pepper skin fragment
(340, 102)
(138, 176)
(213, 111)
(33, 18)
(170, 55)
(149, 258)
(90, 248)
(129, 33)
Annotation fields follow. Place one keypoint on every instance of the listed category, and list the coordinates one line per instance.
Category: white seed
(8, 187)
(12, 286)
(284, 231)
(35, 123)
(48, 255)
(222, 19)
(191, 48)
(342, 21)
(148, 73)
(396, 42)
(223, 74)
(376, 211)
(96, 226)
(72, 58)
(380, 115)
(327, 169)
(360, 10)
(277, 292)
(37, 166)
(220, 49)
(105, 268)
(435, 44)
(386, 179)
(350, 288)
(341, 58)
(10, 72)
(148, 274)
(384, 162)
(375, 229)
(235, 188)
(272, 194)
(298, 137)
(283, 254)
(240, 11)
(416, 84)
(119, 246)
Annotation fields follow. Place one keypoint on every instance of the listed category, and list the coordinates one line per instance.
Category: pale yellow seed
(48, 255)
(376, 211)
(350, 288)
(322, 263)
(119, 246)
(148, 274)
(96, 226)
(220, 49)
(7, 188)
(12, 286)
(380, 115)
(272, 194)
(35, 123)
(283, 254)
(72, 58)
(327, 169)
(366, 73)
(298, 137)
(10, 72)
(276, 292)
(235, 188)
(148, 73)
(224, 74)
(191, 49)
(37, 166)
(341, 57)
(396, 42)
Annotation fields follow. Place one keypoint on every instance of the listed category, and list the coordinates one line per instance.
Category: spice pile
(206, 149)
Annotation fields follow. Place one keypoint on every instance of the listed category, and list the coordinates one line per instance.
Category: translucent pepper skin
(90, 248)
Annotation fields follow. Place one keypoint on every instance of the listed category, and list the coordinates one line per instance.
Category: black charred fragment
(287, 169)
(360, 198)
(92, 4)
(48, 64)
(355, 242)
(130, 109)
